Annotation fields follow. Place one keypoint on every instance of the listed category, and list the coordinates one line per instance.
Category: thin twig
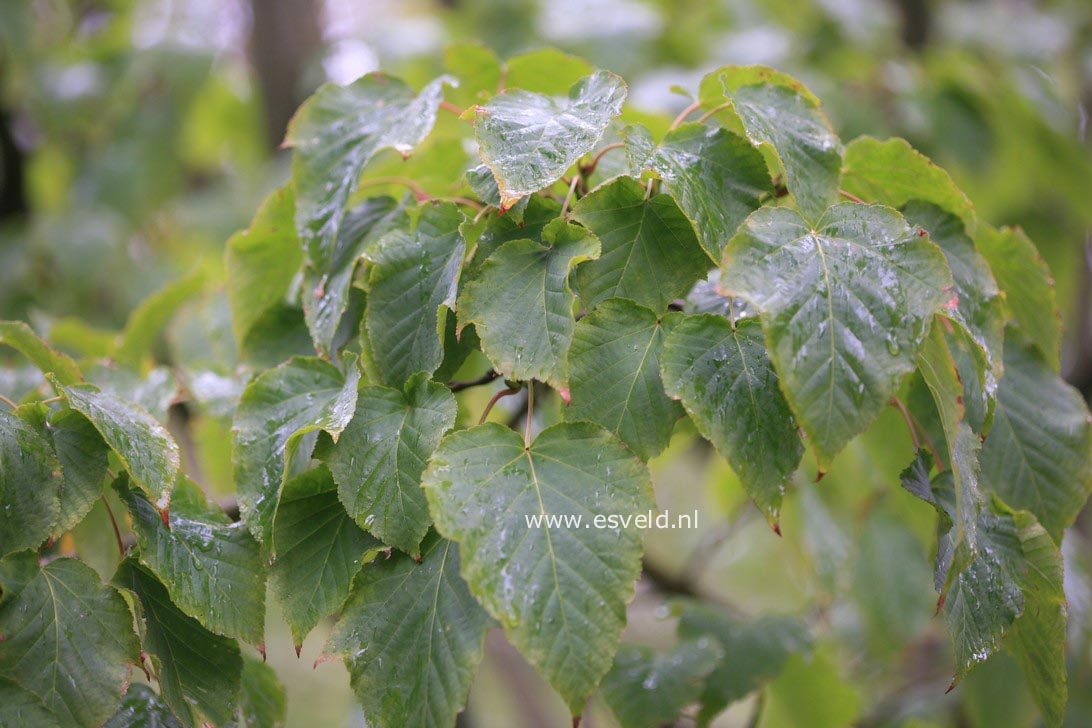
(486, 378)
(448, 106)
(114, 523)
(721, 107)
(684, 113)
(852, 197)
(530, 413)
(462, 201)
(915, 427)
(8, 402)
(417, 190)
(494, 400)
(572, 191)
(587, 171)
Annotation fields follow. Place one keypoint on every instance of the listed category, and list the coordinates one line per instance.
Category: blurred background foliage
(137, 135)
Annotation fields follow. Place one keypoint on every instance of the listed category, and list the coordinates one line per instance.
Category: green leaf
(326, 296)
(545, 70)
(211, 568)
(777, 110)
(521, 305)
(810, 694)
(893, 173)
(381, 455)
(477, 68)
(706, 297)
(500, 229)
(335, 133)
(142, 707)
(1028, 285)
(646, 689)
(717, 177)
(22, 338)
(30, 482)
(262, 701)
(978, 305)
(614, 372)
(845, 304)
(723, 376)
(412, 275)
(198, 672)
(411, 635)
(20, 707)
(68, 639)
(529, 139)
(650, 253)
(1038, 455)
(559, 592)
(484, 185)
(755, 651)
(1038, 638)
(317, 550)
(144, 446)
(151, 316)
(261, 262)
(278, 407)
(84, 459)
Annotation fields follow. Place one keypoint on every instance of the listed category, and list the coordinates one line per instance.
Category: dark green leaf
(317, 550)
(845, 304)
(560, 592)
(381, 455)
(412, 275)
(199, 673)
(529, 139)
(212, 569)
(142, 707)
(262, 702)
(614, 371)
(84, 458)
(20, 707)
(279, 407)
(521, 305)
(647, 689)
(411, 635)
(723, 376)
(335, 133)
(68, 639)
(144, 447)
(650, 253)
(500, 229)
(30, 483)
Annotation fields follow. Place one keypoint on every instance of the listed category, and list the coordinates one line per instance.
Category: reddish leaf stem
(684, 113)
(494, 400)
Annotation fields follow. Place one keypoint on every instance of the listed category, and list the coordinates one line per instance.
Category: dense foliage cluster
(739, 266)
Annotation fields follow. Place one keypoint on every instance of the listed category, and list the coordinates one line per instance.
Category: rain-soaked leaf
(646, 689)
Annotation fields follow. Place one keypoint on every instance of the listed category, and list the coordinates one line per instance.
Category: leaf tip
(566, 395)
(820, 474)
(299, 648)
(261, 650)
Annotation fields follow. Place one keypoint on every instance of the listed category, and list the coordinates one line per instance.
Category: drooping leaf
(381, 455)
(412, 275)
(723, 376)
(717, 178)
(484, 185)
(521, 305)
(144, 446)
(335, 133)
(646, 689)
(261, 262)
(68, 639)
(979, 306)
(198, 672)
(326, 292)
(22, 338)
(277, 409)
(650, 253)
(411, 635)
(211, 567)
(614, 371)
(84, 459)
(893, 173)
(776, 109)
(845, 304)
(559, 591)
(142, 707)
(1028, 285)
(30, 484)
(1038, 455)
(755, 651)
(262, 700)
(318, 550)
(151, 316)
(529, 139)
